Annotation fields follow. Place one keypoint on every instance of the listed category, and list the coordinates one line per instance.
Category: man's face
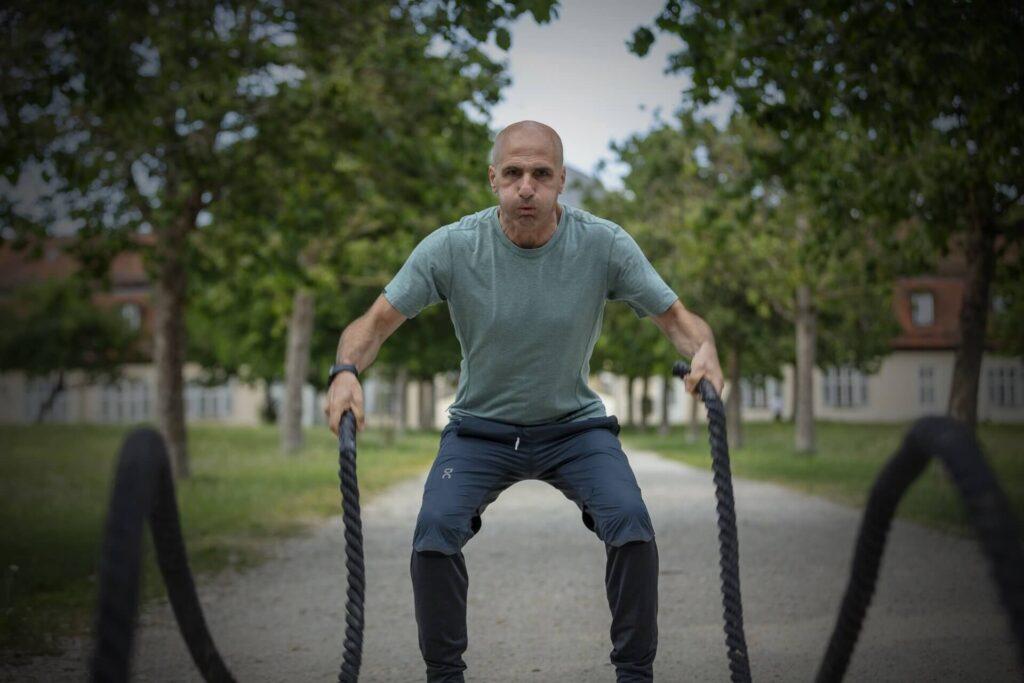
(527, 178)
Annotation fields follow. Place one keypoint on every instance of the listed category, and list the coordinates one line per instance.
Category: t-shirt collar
(535, 251)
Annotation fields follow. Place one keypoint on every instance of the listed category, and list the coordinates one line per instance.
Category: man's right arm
(359, 344)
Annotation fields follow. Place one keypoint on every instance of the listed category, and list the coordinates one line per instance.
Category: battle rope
(728, 540)
(349, 485)
(144, 489)
(940, 437)
(954, 445)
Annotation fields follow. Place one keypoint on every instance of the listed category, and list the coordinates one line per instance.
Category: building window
(208, 403)
(1004, 386)
(761, 392)
(922, 309)
(844, 388)
(132, 315)
(926, 385)
(125, 402)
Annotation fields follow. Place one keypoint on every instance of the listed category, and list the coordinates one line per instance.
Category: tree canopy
(929, 92)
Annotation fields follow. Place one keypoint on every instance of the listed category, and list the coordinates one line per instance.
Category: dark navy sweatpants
(476, 461)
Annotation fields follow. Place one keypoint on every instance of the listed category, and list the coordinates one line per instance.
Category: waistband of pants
(504, 432)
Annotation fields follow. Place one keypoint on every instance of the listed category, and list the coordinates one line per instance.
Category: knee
(629, 522)
(438, 532)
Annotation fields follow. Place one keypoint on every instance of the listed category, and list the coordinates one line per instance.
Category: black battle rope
(144, 489)
(353, 654)
(940, 437)
(728, 541)
(955, 446)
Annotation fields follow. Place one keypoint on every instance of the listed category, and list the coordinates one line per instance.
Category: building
(912, 381)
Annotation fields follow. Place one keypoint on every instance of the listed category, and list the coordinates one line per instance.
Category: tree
(936, 90)
(145, 116)
(54, 327)
(695, 198)
(839, 261)
(713, 207)
(1008, 325)
(374, 147)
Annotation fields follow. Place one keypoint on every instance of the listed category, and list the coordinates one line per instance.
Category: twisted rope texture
(728, 539)
(353, 649)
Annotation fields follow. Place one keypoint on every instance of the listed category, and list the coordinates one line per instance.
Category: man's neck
(531, 238)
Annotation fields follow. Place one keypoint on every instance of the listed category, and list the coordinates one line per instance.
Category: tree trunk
(428, 399)
(48, 404)
(296, 369)
(399, 405)
(806, 331)
(693, 431)
(734, 404)
(645, 402)
(169, 342)
(629, 401)
(981, 258)
(793, 397)
(666, 393)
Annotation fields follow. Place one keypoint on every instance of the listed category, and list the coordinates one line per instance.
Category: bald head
(526, 132)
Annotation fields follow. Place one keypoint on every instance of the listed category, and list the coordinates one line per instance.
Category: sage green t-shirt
(527, 319)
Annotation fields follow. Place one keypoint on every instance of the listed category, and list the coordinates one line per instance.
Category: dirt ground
(537, 607)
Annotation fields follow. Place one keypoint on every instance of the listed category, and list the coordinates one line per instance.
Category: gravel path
(537, 610)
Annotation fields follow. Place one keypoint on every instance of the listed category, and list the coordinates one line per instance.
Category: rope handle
(707, 391)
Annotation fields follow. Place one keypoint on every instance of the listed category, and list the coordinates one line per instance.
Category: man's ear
(491, 174)
(561, 181)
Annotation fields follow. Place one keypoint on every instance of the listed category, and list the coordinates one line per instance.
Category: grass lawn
(54, 485)
(849, 458)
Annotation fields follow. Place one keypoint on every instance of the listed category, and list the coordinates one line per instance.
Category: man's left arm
(692, 337)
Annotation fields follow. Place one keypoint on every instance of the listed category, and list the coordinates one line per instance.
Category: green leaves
(453, 19)
(503, 38)
(641, 42)
(57, 326)
(368, 153)
(936, 84)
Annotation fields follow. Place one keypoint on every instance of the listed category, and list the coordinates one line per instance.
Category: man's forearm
(689, 333)
(359, 343)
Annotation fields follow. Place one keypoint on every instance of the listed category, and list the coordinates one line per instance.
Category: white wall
(894, 395)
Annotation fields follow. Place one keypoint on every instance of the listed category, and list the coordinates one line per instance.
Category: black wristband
(339, 368)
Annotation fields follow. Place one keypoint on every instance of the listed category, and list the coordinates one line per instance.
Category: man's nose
(526, 187)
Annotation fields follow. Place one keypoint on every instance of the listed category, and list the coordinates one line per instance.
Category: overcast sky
(577, 75)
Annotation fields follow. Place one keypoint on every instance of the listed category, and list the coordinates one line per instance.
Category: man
(526, 284)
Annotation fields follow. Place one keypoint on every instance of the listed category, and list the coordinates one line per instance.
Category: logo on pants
(447, 473)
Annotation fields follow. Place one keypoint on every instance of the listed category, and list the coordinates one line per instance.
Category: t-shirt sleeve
(632, 278)
(425, 278)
